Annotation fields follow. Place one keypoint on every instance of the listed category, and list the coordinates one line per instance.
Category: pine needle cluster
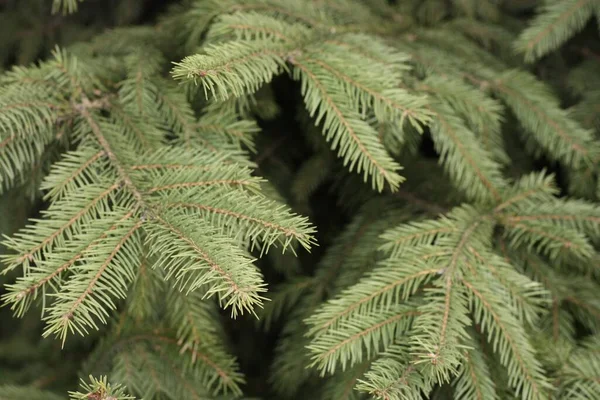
(451, 182)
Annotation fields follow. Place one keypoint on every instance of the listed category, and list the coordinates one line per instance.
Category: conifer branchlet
(169, 160)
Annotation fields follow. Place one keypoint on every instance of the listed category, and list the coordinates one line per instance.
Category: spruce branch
(238, 290)
(88, 293)
(474, 380)
(345, 347)
(117, 164)
(560, 137)
(482, 114)
(75, 169)
(438, 331)
(199, 336)
(144, 133)
(25, 290)
(548, 240)
(144, 292)
(354, 139)
(83, 207)
(100, 389)
(27, 125)
(528, 191)
(380, 290)
(221, 68)
(525, 372)
(416, 234)
(526, 296)
(572, 214)
(153, 210)
(99, 186)
(555, 23)
(469, 165)
(394, 376)
(261, 224)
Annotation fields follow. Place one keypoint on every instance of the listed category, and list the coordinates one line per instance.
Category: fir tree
(180, 175)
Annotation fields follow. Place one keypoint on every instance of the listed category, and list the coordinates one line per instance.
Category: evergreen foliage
(179, 176)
